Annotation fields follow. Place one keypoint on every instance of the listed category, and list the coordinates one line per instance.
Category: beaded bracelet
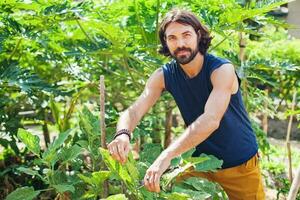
(121, 132)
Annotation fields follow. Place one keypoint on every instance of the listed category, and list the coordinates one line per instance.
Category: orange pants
(242, 182)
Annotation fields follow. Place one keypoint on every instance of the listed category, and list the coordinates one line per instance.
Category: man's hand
(119, 148)
(153, 174)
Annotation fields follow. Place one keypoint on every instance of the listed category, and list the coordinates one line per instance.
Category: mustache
(182, 49)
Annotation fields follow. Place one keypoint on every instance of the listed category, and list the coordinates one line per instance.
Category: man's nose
(180, 43)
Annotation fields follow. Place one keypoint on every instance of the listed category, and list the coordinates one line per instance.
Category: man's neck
(194, 67)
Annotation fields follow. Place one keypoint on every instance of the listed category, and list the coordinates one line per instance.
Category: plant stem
(85, 33)
(225, 38)
(15, 49)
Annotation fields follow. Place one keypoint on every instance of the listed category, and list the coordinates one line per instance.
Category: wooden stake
(102, 112)
(103, 127)
(295, 186)
(288, 138)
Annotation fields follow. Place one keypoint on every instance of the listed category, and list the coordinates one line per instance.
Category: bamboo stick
(103, 127)
(288, 138)
(102, 113)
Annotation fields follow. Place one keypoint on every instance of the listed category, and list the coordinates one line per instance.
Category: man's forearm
(196, 133)
(128, 120)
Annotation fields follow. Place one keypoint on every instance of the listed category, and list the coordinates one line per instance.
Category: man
(206, 90)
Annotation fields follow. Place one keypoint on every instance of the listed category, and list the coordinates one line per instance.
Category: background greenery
(52, 54)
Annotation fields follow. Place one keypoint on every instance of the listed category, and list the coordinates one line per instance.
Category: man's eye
(187, 35)
(171, 39)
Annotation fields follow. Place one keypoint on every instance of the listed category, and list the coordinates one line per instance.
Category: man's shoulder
(169, 67)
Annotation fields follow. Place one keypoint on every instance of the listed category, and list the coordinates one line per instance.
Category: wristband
(121, 132)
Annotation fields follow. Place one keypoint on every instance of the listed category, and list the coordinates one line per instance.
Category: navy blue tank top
(234, 141)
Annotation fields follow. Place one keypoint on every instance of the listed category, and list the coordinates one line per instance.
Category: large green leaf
(204, 186)
(195, 195)
(29, 171)
(32, 142)
(96, 179)
(69, 154)
(24, 193)
(61, 188)
(119, 170)
(117, 197)
(175, 195)
(89, 123)
(211, 164)
(51, 155)
(176, 161)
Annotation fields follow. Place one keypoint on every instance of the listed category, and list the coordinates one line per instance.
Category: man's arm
(152, 91)
(129, 119)
(223, 80)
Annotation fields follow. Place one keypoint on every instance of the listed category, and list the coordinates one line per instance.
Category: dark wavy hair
(186, 18)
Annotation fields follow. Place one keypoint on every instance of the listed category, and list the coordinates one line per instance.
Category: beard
(184, 59)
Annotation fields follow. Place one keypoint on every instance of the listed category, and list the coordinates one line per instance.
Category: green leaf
(188, 154)
(29, 171)
(150, 152)
(118, 169)
(117, 197)
(132, 168)
(32, 142)
(201, 184)
(51, 155)
(176, 161)
(89, 123)
(210, 164)
(70, 153)
(96, 179)
(175, 195)
(195, 195)
(24, 193)
(60, 140)
(61, 188)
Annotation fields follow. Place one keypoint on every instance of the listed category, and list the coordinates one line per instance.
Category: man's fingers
(121, 153)
(115, 153)
(146, 181)
(156, 182)
(151, 183)
(118, 151)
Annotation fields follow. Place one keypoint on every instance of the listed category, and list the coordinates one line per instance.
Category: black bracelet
(121, 132)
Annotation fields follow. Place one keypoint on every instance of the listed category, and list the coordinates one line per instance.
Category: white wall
(294, 18)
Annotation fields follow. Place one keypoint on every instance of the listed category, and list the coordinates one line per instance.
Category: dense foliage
(52, 54)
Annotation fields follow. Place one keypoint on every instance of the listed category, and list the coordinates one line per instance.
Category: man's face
(182, 42)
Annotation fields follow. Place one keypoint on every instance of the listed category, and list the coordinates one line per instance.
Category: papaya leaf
(32, 142)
